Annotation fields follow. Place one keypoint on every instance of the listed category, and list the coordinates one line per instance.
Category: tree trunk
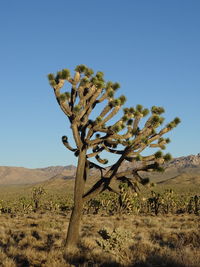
(75, 219)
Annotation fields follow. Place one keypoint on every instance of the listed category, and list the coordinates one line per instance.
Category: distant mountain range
(179, 170)
(20, 175)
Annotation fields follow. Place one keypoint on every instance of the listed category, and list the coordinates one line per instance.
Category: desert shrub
(113, 240)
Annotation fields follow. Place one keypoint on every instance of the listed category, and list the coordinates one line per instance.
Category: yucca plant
(93, 136)
(37, 194)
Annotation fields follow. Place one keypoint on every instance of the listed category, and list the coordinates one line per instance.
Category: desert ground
(158, 226)
(120, 240)
(110, 236)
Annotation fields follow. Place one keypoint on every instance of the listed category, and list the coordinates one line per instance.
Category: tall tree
(124, 137)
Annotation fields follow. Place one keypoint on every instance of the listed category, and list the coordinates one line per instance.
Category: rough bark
(75, 219)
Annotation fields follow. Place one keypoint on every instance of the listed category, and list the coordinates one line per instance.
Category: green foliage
(174, 123)
(123, 126)
(160, 140)
(155, 119)
(171, 125)
(157, 110)
(145, 112)
(51, 77)
(80, 68)
(109, 85)
(177, 121)
(84, 81)
(77, 108)
(126, 111)
(122, 99)
(98, 119)
(100, 75)
(63, 97)
(132, 110)
(99, 84)
(53, 83)
(161, 120)
(125, 118)
(129, 142)
(138, 158)
(139, 108)
(167, 157)
(65, 74)
(88, 72)
(158, 154)
(117, 102)
(115, 86)
(110, 93)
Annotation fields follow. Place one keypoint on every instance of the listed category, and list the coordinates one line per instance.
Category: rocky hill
(191, 161)
(182, 170)
(20, 175)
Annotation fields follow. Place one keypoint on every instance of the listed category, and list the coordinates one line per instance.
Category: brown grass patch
(127, 240)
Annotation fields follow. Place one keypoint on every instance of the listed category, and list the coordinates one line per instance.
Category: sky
(151, 47)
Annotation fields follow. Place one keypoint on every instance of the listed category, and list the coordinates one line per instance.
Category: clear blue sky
(151, 47)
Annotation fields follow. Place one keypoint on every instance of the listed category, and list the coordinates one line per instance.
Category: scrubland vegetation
(156, 228)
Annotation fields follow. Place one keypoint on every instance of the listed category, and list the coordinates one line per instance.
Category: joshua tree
(37, 194)
(124, 137)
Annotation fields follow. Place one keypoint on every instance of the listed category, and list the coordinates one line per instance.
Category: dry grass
(37, 240)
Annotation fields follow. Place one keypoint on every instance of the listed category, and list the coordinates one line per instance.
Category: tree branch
(67, 145)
